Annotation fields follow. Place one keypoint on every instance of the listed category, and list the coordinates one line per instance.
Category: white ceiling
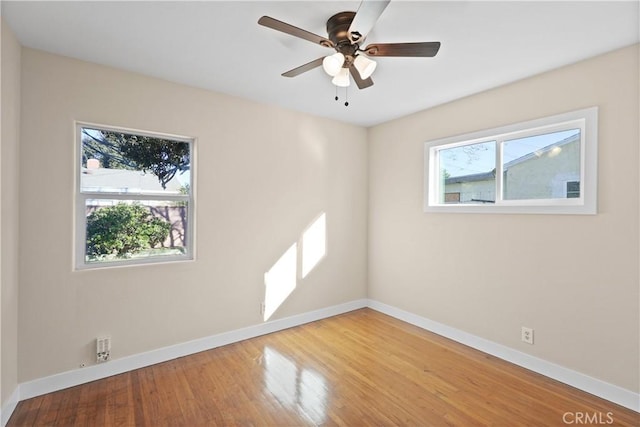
(218, 45)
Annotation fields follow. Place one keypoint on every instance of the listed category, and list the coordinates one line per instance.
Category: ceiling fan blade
(274, 24)
(303, 68)
(424, 49)
(362, 84)
(367, 15)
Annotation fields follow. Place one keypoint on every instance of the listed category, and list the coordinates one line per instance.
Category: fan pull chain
(346, 96)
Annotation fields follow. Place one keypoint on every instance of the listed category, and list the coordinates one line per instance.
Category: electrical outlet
(262, 308)
(527, 335)
(103, 349)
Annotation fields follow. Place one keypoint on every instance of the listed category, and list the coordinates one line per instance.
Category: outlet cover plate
(527, 335)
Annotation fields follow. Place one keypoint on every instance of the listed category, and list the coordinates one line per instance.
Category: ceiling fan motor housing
(338, 31)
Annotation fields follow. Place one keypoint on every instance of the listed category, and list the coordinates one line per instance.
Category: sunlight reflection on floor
(300, 389)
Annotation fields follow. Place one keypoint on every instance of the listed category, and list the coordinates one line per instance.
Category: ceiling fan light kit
(345, 31)
(332, 64)
(365, 66)
(342, 78)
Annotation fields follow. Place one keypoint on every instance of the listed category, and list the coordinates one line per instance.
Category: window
(134, 198)
(541, 166)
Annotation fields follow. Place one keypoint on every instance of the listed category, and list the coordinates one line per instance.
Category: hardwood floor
(361, 368)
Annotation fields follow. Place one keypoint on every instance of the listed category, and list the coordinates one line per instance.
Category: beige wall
(9, 144)
(574, 279)
(263, 175)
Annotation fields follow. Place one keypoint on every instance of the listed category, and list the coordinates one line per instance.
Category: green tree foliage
(162, 157)
(123, 229)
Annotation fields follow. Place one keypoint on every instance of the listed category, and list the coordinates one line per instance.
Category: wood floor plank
(361, 368)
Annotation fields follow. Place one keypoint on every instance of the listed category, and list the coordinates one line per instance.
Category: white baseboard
(9, 406)
(75, 377)
(67, 379)
(602, 389)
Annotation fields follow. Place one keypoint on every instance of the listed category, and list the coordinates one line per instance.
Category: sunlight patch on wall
(298, 261)
(280, 281)
(314, 244)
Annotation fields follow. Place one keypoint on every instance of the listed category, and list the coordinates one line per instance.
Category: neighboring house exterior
(552, 172)
(126, 181)
(474, 188)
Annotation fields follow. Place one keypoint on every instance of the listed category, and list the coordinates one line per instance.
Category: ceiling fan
(346, 31)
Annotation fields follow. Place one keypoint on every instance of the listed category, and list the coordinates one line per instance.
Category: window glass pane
(468, 173)
(126, 229)
(542, 166)
(116, 162)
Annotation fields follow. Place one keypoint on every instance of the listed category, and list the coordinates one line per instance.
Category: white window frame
(586, 120)
(81, 197)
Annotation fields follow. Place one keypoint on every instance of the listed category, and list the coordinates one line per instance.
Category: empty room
(295, 213)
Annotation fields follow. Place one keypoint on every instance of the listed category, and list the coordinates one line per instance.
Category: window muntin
(134, 197)
(543, 166)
